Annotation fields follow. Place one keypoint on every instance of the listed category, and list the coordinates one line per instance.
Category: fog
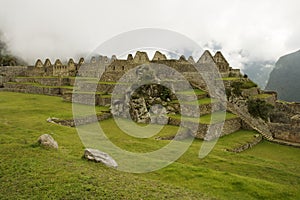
(244, 30)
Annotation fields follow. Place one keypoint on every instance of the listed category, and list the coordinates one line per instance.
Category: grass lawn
(202, 101)
(195, 91)
(107, 82)
(207, 119)
(231, 78)
(27, 171)
(262, 96)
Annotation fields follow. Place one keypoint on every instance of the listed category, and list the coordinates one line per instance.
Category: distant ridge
(285, 77)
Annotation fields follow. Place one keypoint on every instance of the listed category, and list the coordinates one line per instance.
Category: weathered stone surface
(39, 63)
(158, 115)
(80, 121)
(191, 60)
(138, 110)
(206, 58)
(48, 78)
(286, 132)
(229, 126)
(250, 92)
(239, 107)
(47, 141)
(159, 56)
(140, 57)
(99, 156)
(34, 89)
(221, 62)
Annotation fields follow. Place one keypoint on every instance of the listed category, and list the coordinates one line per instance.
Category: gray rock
(52, 120)
(47, 141)
(99, 156)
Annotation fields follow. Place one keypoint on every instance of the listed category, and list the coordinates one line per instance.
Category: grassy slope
(268, 171)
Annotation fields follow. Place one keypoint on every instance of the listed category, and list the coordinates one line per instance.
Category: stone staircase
(239, 108)
(257, 124)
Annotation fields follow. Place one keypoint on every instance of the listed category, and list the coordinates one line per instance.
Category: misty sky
(243, 30)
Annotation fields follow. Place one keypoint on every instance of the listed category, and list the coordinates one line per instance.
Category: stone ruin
(58, 79)
(71, 68)
(58, 69)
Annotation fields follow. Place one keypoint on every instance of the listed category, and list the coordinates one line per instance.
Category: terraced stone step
(46, 81)
(80, 121)
(35, 88)
(256, 123)
(287, 143)
(89, 98)
(231, 124)
(248, 145)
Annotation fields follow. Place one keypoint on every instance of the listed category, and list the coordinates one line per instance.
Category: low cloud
(244, 30)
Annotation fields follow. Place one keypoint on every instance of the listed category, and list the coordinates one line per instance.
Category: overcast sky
(243, 30)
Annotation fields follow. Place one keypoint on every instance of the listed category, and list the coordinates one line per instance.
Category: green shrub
(228, 93)
(236, 88)
(259, 108)
(165, 94)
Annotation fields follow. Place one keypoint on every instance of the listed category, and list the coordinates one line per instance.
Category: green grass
(84, 92)
(262, 96)
(207, 119)
(106, 96)
(82, 78)
(218, 116)
(107, 82)
(39, 77)
(231, 78)
(195, 91)
(248, 85)
(267, 171)
(202, 101)
(54, 108)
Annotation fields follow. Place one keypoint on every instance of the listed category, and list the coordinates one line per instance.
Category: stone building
(221, 62)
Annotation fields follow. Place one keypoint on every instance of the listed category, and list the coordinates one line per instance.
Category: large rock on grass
(99, 156)
(47, 141)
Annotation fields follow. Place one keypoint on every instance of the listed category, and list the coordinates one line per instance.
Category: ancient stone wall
(45, 81)
(285, 121)
(26, 88)
(221, 62)
(12, 71)
(285, 132)
(8, 73)
(229, 126)
(141, 57)
(257, 139)
(159, 56)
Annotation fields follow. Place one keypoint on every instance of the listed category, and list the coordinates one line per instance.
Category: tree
(259, 108)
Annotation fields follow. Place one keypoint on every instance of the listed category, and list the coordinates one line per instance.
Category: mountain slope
(259, 71)
(285, 77)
